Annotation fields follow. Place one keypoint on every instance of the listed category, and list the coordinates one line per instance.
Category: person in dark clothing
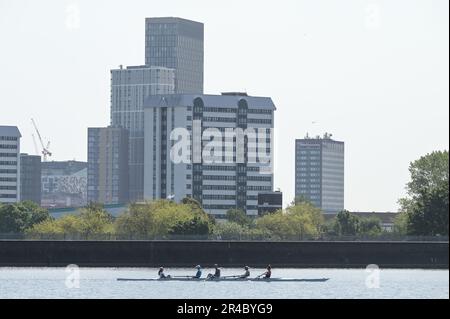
(216, 274)
(268, 272)
(247, 272)
(161, 274)
(199, 272)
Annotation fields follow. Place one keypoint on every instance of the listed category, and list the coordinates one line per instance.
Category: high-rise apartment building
(229, 176)
(177, 44)
(9, 164)
(108, 165)
(30, 178)
(129, 88)
(319, 172)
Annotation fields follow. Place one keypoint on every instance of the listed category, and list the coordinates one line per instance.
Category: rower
(216, 273)
(247, 272)
(161, 273)
(268, 272)
(199, 272)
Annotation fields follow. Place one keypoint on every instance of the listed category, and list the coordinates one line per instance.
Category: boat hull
(230, 279)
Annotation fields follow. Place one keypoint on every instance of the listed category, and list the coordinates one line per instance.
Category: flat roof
(129, 68)
(209, 100)
(9, 131)
(169, 20)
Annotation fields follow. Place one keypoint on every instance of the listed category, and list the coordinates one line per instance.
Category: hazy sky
(373, 73)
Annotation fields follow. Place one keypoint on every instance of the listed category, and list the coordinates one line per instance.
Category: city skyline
(370, 118)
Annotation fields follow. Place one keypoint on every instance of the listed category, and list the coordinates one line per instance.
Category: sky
(375, 74)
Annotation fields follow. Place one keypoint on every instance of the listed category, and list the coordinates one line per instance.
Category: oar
(183, 276)
(235, 276)
(260, 275)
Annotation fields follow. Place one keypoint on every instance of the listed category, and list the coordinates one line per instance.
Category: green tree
(161, 218)
(429, 214)
(194, 226)
(95, 220)
(230, 230)
(12, 219)
(346, 224)
(300, 199)
(192, 202)
(17, 217)
(297, 221)
(426, 207)
(68, 226)
(238, 216)
(428, 173)
(90, 223)
(401, 223)
(370, 226)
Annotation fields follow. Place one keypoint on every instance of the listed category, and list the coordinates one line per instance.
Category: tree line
(424, 212)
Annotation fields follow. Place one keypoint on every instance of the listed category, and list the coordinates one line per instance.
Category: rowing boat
(229, 279)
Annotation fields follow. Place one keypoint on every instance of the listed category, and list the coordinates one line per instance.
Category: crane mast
(45, 149)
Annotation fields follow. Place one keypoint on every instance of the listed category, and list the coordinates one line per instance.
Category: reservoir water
(102, 283)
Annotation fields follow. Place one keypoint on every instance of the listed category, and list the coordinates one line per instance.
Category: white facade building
(224, 181)
(9, 164)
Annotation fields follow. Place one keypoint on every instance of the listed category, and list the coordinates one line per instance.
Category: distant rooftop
(227, 100)
(62, 167)
(140, 67)
(169, 20)
(235, 93)
(29, 155)
(313, 140)
(9, 131)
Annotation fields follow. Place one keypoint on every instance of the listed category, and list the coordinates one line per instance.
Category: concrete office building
(319, 172)
(108, 165)
(30, 178)
(177, 44)
(219, 184)
(9, 164)
(129, 88)
(64, 184)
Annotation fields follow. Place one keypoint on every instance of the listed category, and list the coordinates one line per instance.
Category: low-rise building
(269, 202)
(64, 184)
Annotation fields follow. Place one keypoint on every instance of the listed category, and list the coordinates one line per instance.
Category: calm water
(102, 283)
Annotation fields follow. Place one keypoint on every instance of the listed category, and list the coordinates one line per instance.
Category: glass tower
(177, 44)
